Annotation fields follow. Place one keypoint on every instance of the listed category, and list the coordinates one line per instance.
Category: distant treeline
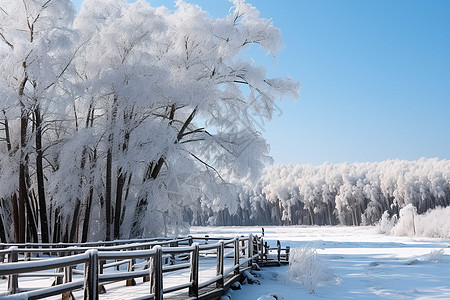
(347, 194)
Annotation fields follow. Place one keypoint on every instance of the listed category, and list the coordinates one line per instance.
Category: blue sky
(375, 78)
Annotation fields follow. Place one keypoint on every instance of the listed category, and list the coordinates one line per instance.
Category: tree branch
(208, 166)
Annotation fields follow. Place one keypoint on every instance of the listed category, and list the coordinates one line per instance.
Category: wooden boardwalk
(181, 268)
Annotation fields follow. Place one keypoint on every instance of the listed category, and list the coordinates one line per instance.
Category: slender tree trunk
(108, 194)
(2, 227)
(14, 203)
(23, 162)
(22, 181)
(73, 228)
(87, 214)
(88, 204)
(311, 216)
(57, 226)
(127, 191)
(40, 177)
(329, 213)
(118, 208)
(121, 178)
(31, 219)
(353, 216)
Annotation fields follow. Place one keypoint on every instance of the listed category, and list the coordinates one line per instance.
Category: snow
(360, 263)
(364, 264)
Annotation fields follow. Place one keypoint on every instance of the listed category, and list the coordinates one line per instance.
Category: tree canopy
(117, 118)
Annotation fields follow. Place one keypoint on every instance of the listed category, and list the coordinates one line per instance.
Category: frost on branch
(308, 268)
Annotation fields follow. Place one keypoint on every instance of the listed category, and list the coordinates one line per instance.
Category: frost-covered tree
(351, 194)
(35, 52)
(128, 114)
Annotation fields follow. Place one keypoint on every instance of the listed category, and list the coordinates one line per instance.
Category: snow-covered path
(365, 264)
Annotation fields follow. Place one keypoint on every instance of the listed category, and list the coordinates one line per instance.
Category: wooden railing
(157, 258)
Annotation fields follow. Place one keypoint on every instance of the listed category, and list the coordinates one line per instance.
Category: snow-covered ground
(363, 263)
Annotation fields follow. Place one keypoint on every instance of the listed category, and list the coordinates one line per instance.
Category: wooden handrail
(245, 251)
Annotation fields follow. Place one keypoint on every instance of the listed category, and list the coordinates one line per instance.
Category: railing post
(67, 279)
(219, 266)
(266, 250)
(190, 240)
(261, 249)
(91, 276)
(236, 255)
(13, 283)
(2, 256)
(67, 274)
(250, 249)
(101, 287)
(288, 251)
(193, 289)
(278, 251)
(58, 280)
(156, 275)
(131, 281)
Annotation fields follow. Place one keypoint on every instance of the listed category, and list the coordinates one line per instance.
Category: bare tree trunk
(125, 199)
(311, 216)
(73, 228)
(23, 163)
(88, 204)
(108, 193)
(2, 227)
(121, 177)
(22, 181)
(87, 214)
(40, 177)
(329, 213)
(118, 208)
(14, 203)
(57, 226)
(31, 219)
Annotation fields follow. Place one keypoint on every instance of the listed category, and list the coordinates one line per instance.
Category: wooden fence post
(67, 274)
(131, 281)
(288, 251)
(219, 267)
(250, 249)
(261, 249)
(193, 289)
(67, 279)
(91, 276)
(156, 275)
(278, 251)
(266, 250)
(236, 255)
(59, 280)
(13, 282)
(101, 287)
(2, 256)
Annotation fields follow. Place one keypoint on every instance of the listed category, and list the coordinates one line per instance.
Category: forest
(332, 194)
(125, 120)
(116, 118)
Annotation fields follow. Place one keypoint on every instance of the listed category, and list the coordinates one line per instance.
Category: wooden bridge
(156, 268)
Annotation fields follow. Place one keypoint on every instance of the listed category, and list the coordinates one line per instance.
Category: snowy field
(362, 263)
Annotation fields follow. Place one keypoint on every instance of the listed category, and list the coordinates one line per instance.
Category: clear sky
(375, 78)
